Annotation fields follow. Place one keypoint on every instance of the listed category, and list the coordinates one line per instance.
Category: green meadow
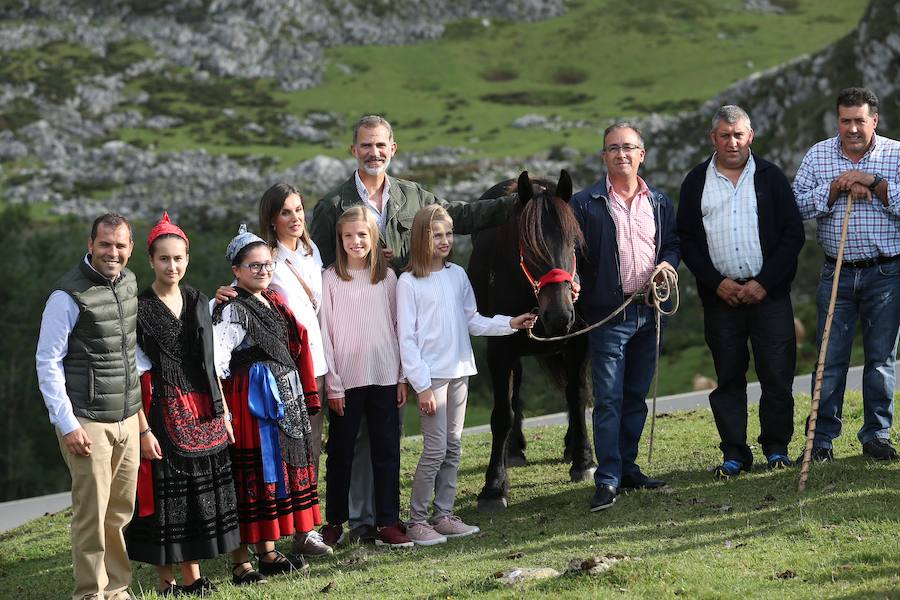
(754, 537)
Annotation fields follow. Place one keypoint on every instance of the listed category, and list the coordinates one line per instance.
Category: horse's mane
(540, 211)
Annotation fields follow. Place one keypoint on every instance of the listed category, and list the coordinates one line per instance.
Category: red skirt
(262, 516)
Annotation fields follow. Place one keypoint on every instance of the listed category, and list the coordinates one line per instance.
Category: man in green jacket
(88, 376)
(393, 201)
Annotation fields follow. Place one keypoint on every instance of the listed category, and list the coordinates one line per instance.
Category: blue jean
(622, 368)
(872, 295)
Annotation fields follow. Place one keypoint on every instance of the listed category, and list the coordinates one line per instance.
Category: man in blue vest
(88, 377)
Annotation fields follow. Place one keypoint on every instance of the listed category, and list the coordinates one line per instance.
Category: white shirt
(731, 222)
(435, 315)
(381, 215)
(286, 283)
(60, 315)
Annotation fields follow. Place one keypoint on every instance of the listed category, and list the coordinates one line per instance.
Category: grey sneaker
(423, 534)
(453, 526)
(312, 545)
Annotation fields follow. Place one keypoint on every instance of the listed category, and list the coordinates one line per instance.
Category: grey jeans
(439, 464)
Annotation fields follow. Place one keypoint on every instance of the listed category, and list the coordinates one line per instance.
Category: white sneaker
(453, 526)
(312, 545)
(424, 534)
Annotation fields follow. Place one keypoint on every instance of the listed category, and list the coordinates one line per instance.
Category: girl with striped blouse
(358, 322)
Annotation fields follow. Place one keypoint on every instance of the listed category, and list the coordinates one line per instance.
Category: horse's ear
(564, 186)
(523, 188)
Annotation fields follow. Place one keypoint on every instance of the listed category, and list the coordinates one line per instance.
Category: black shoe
(280, 564)
(604, 497)
(241, 575)
(362, 534)
(202, 587)
(819, 454)
(640, 482)
(880, 449)
(171, 589)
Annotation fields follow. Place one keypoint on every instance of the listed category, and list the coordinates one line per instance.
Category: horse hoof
(516, 460)
(577, 476)
(492, 505)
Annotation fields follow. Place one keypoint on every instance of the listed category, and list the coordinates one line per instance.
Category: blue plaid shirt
(873, 230)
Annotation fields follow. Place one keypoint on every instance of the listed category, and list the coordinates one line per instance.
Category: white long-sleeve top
(309, 266)
(435, 315)
(359, 331)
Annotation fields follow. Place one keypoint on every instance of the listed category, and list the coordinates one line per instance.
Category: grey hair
(731, 114)
(622, 125)
(372, 121)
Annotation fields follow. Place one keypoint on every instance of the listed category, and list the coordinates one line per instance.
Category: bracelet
(229, 417)
(145, 432)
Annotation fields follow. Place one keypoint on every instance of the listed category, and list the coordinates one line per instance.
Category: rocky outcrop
(792, 105)
(280, 39)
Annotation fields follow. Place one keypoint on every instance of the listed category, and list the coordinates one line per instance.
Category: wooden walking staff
(823, 349)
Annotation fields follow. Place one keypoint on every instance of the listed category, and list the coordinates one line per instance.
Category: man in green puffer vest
(88, 377)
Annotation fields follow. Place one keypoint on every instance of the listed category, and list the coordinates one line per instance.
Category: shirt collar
(749, 167)
(364, 193)
(839, 150)
(643, 189)
(87, 260)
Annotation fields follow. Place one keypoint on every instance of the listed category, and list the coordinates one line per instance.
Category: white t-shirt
(435, 315)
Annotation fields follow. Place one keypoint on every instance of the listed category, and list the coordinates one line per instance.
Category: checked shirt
(873, 230)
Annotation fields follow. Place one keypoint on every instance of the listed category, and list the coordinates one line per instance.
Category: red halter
(551, 276)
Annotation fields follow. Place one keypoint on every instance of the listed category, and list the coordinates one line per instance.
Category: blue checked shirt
(873, 230)
(731, 222)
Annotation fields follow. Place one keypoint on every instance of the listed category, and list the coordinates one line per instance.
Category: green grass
(753, 537)
(600, 60)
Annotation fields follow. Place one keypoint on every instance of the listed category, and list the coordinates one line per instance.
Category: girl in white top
(435, 314)
(360, 339)
(298, 278)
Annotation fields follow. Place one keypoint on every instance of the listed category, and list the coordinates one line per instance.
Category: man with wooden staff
(740, 236)
(856, 163)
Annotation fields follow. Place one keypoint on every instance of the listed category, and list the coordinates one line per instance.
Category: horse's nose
(558, 321)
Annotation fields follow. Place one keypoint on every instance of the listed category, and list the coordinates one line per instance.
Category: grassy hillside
(754, 537)
(602, 59)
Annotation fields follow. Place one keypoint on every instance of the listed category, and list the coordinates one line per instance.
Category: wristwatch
(876, 182)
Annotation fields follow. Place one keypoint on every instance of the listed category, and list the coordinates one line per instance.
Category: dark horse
(543, 232)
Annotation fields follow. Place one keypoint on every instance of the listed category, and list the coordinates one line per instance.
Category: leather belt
(864, 263)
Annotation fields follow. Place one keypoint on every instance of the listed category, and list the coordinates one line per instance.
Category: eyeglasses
(626, 148)
(257, 267)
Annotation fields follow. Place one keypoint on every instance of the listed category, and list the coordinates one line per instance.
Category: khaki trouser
(436, 473)
(103, 493)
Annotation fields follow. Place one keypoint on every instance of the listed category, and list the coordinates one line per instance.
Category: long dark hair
(270, 205)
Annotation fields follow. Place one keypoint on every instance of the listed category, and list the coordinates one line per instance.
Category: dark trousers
(769, 326)
(379, 404)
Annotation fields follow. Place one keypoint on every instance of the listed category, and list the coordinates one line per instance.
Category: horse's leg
(515, 443)
(578, 445)
(494, 495)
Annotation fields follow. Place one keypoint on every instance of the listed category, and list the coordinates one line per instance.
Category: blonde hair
(376, 263)
(422, 244)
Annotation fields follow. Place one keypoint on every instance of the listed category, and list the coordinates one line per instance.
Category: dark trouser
(769, 326)
(379, 404)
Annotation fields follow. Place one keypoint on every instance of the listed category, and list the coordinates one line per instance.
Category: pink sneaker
(452, 526)
(424, 534)
(393, 536)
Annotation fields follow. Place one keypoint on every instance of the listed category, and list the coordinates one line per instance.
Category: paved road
(17, 512)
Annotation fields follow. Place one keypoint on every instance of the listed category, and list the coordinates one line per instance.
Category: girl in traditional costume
(263, 355)
(186, 506)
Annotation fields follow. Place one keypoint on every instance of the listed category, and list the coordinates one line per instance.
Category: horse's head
(548, 235)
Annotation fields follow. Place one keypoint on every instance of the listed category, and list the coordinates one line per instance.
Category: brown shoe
(332, 534)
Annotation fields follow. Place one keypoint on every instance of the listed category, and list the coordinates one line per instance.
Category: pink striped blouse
(359, 331)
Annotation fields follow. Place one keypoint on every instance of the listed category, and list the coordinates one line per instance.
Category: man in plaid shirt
(740, 236)
(857, 163)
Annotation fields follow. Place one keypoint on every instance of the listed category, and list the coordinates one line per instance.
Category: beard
(375, 170)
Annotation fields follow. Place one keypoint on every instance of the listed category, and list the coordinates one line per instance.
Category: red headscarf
(165, 226)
